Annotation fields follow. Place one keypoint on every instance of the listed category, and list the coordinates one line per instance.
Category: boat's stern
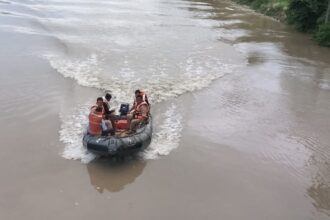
(105, 146)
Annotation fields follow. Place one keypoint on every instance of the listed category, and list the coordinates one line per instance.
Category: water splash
(195, 75)
(85, 72)
(71, 134)
(168, 136)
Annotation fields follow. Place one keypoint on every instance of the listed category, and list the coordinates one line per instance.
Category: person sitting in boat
(109, 114)
(98, 125)
(144, 98)
(99, 103)
(106, 104)
(139, 115)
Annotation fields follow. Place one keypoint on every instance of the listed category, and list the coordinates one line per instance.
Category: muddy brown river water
(241, 107)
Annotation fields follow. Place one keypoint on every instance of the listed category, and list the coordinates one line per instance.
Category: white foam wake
(168, 136)
(85, 72)
(192, 74)
(71, 134)
(196, 74)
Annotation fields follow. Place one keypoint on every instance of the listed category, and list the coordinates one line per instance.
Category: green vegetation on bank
(311, 16)
(275, 8)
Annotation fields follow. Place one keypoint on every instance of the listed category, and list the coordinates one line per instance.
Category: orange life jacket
(137, 110)
(144, 98)
(95, 119)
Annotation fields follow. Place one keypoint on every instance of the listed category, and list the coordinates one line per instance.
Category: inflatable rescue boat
(120, 143)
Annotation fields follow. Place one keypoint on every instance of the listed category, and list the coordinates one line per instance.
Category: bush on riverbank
(322, 35)
(305, 15)
(309, 16)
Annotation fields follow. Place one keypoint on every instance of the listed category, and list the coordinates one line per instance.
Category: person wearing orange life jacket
(144, 97)
(141, 114)
(98, 125)
(95, 119)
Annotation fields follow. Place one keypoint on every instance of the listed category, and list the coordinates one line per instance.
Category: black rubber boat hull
(113, 146)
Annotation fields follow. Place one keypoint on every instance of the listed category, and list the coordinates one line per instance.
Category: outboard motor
(124, 109)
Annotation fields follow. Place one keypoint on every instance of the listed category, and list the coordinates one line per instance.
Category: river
(241, 106)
